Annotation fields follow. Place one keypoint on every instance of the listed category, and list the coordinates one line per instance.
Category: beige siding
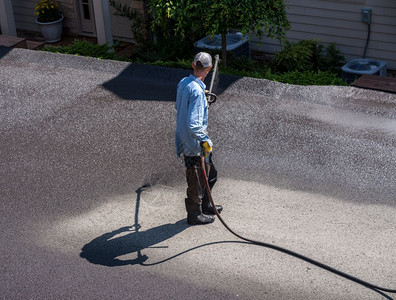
(122, 26)
(340, 22)
(25, 17)
(24, 14)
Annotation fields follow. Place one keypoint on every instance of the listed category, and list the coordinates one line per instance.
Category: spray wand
(211, 96)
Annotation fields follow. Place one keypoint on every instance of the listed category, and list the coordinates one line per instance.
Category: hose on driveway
(292, 253)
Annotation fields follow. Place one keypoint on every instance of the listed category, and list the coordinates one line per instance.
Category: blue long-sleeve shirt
(192, 116)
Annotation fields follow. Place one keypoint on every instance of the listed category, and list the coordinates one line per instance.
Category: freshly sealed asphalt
(92, 194)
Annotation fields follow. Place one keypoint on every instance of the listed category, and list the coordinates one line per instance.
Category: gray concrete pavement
(311, 169)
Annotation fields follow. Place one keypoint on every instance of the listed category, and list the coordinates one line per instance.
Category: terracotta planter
(51, 31)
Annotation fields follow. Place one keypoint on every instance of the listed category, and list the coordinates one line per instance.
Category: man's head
(202, 64)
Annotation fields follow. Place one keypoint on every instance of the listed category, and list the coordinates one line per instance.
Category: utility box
(355, 68)
(366, 15)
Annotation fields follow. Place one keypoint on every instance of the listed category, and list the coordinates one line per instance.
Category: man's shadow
(105, 249)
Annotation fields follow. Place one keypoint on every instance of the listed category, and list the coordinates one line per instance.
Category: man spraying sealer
(192, 139)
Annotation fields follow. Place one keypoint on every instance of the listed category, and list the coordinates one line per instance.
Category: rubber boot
(195, 215)
(207, 207)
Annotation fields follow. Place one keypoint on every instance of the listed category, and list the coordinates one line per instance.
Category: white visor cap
(204, 58)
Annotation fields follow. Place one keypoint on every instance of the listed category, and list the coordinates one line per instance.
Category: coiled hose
(300, 256)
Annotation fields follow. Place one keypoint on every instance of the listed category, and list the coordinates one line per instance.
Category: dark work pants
(195, 180)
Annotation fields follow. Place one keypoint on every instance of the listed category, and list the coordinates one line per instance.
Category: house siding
(24, 14)
(340, 22)
(25, 18)
(122, 26)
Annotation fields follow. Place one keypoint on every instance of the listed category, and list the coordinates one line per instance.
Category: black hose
(300, 256)
(367, 40)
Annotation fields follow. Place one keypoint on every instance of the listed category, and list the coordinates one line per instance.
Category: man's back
(192, 116)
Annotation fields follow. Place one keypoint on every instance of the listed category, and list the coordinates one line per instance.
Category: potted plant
(49, 19)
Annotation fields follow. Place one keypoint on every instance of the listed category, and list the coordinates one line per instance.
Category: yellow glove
(207, 149)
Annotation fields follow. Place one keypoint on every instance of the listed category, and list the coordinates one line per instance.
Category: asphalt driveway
(92, 194)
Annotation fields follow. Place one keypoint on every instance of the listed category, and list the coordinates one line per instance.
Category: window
(85, 6)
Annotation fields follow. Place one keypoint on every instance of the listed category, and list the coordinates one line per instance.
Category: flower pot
(51, 31)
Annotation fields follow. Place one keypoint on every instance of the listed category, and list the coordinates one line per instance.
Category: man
(192, 140)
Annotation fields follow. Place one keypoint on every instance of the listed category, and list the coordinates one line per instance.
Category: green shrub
(164, 50)
(244, 64)
(85, 48)
(295, 56)
(168, 46)
(308, 55)
(331, 60)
